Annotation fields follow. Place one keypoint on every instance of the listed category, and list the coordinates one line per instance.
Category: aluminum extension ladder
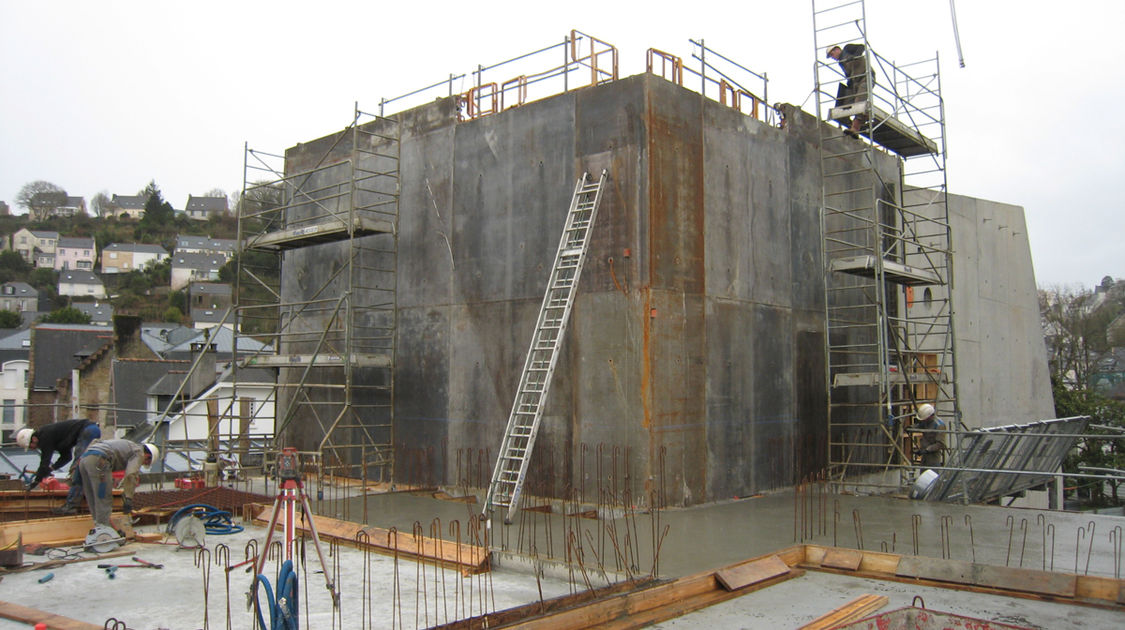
(510, 470)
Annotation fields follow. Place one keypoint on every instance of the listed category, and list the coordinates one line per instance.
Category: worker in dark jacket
(932, 441)
(100, 461)
(68, 438)
(853, 62)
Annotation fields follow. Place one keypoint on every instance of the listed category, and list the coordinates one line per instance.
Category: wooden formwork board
(465, 557)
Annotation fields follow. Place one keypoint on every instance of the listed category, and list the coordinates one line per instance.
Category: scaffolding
(886, 248)
(316, 281)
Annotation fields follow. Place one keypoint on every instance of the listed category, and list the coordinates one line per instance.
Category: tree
(1075, 324)
(1094, 451)
(27, 193)
(102, 204)
(157, 211)
(67, 315)
(173, 315)
(13, 266)
(10, 319)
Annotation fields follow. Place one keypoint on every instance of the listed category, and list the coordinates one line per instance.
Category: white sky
(105, 96)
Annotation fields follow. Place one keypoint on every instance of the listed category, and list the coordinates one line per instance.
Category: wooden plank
(31, 616)
(738, 576)
(468, 558)
(65, 530)
(854, 610)
(837, 558)
(1006, 578)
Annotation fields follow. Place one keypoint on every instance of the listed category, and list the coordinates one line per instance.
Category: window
(113, 255)
(9, 411)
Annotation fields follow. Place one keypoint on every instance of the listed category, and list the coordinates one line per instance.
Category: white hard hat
(23, 437)
(925, 411)
(152, 450)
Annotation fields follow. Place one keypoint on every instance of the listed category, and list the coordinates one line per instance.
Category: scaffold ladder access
(886, 248)
(510, 470)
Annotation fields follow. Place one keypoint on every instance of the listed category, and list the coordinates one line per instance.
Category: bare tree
(1075, 324)
(27, 194)
(101, 204)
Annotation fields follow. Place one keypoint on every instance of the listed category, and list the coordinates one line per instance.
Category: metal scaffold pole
(886, 246)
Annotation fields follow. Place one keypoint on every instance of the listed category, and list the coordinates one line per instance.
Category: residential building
(70, 207)
(128, 206)
(100, 313)
(126, 257)
(43, 205)
(19, 297)
(14, 352)
(208, 304)
(201, 208)
(175, 342)
(75, 253)
(77, 283)
(188, 268)
(205, 245)
(36, 245)
(57, 350)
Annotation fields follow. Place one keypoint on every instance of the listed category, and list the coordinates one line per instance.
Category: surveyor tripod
(291, 492)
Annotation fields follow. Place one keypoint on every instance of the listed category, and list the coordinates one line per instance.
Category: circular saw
(103, 539)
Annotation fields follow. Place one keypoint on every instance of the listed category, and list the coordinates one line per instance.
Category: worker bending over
(931, 444)
(100, 461)
(68, 438)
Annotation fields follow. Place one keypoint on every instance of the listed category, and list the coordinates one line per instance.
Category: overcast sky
(105, 96)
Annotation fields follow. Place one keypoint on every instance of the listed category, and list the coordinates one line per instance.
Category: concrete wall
(695, 353)
(1001, 353)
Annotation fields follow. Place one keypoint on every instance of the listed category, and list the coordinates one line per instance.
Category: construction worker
(853, 62)
(68, 438)
(931, 444)
(100, 461)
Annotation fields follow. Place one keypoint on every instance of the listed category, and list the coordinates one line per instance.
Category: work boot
(65, 508)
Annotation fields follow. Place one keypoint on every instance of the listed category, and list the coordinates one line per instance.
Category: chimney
(204, 375)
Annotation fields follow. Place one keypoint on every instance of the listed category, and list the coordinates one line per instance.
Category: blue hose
(215, 521)
(283, 609)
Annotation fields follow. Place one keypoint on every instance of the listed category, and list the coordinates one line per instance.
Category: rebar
(222, 557)
(1115, 545)
(915, 523)
(1010, 523)
(858, 524)
(972, 540)
(1023, 543)
(203, 561)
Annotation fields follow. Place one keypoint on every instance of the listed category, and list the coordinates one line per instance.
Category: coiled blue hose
(283, 610)
(215, 521)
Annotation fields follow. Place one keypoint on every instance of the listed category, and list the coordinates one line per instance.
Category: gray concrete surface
(697, 339)
(698, 539)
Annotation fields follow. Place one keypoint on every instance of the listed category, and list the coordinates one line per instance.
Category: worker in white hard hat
(931, 444)
(68, 438)
(100, 461)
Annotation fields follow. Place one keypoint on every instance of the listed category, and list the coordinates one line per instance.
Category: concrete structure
(697, 339)
(126, 257)
(75, 253)
(13, 396)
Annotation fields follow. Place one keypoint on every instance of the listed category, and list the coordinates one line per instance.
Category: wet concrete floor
(380, 593)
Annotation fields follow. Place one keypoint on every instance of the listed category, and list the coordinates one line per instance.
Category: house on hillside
(75, 253)
(81, 284)
(36, 246)
(188, 268)
(126, 257)
(14, 353)
(70, 207)
(201, 208)
(128, 206)
(208, 303)
(173, 341)
(100, 313)
(20, 297)
(206, 245)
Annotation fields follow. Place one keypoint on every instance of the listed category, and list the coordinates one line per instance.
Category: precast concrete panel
(425, 222)
(731, 393)
(774, 408)
(422, 385)
(675, 379)
(675, 188)
(806, 264)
